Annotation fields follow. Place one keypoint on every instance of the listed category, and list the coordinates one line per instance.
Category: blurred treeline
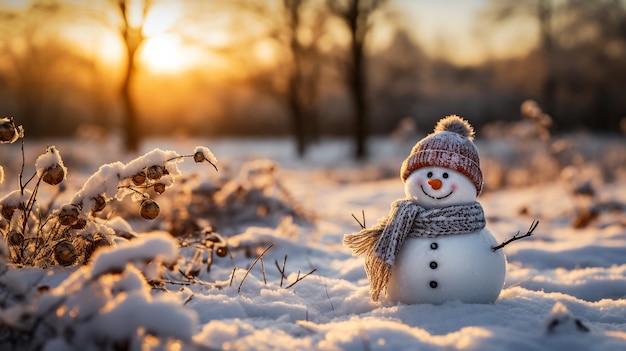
(304, 67)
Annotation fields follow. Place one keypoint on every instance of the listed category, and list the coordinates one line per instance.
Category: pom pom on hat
(456, 124)
(449, 146)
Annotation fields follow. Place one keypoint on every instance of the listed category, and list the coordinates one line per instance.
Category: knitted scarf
(382, 242)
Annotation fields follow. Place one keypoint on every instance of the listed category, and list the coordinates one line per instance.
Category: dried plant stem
(517, 236)
(134, 189)
(299, 278)
(29, 206)
(232, 276)
(263, 271)
(252, 266)
(328, 297)
(281, 271)
(22, 170)
(190, 155)
(362, 224)
(188, 299)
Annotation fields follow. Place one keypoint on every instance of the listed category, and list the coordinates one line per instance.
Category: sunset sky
(451, 29)
(457, 30)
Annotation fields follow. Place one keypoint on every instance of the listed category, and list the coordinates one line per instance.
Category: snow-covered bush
(67, 235)
(256, 196)
(103, 306)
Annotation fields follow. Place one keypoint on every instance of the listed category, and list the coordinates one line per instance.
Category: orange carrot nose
(434, 183)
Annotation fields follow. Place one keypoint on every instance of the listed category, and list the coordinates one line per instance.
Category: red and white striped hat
(449, 146)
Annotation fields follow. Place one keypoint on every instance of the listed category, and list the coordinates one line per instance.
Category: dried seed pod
(149, 209)
(65, 253)
(221, 251)
(154, 172)
(81, 223)
(8, 131)
(68, 215)
(95, 245)
(139, 177)
(159, 188)
(54, 174)
(15, 238)
(100, 203)
(7, 211)
(199, 157)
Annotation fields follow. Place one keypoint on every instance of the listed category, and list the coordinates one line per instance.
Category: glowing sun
(164, 54)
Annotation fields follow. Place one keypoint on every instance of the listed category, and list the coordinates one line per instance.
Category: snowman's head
(448, 151)
(433, 187)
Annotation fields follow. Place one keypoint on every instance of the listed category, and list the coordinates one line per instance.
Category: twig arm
(517, 236)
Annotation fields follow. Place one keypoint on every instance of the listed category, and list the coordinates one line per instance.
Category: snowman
(434, 247)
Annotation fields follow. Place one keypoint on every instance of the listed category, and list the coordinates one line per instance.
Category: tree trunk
(132, 39)
(294, 91)
(356, 78)
(131, 123)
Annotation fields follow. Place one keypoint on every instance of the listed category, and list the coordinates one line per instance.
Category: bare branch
(263, 271)
(188, 299)
(232, 276)
(362, 224)
(282, 271)
(300, 278)
(252, 266)
(517, 236)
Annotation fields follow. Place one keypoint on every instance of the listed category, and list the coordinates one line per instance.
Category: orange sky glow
(449, 30)
(443, 30)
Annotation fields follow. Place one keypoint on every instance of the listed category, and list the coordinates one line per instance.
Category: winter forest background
(196, 163)
(307, 68)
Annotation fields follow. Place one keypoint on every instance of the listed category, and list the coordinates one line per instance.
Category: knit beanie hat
(449, 146)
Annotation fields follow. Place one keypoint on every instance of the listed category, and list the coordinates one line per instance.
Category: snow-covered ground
(565, 287)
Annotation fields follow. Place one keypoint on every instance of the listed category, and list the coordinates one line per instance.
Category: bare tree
(294, 95)
(295, 78)
(302, 91)
(356, 15)
(132, 34)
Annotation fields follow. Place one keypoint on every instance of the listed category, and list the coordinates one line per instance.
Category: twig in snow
(232, 276)
(517, 236)
(252, 266)
(281, 271)
(362, 224)
(263, 271)
(301, 277)
(328, 297)
(188, 299)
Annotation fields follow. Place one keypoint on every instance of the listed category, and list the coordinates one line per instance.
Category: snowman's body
(456, 267)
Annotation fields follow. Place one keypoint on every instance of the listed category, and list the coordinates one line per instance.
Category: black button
(434, 246)
(433, 265)
(433, 284)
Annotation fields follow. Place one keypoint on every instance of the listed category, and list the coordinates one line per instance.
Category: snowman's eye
(429, 174)
(445, 175)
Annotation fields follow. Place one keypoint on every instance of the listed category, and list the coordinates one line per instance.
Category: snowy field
(565, 286)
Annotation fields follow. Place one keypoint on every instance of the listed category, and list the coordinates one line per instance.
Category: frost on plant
(9, 132)
(39, 235)
(50, 167)
(256, 196)
(101, 306)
